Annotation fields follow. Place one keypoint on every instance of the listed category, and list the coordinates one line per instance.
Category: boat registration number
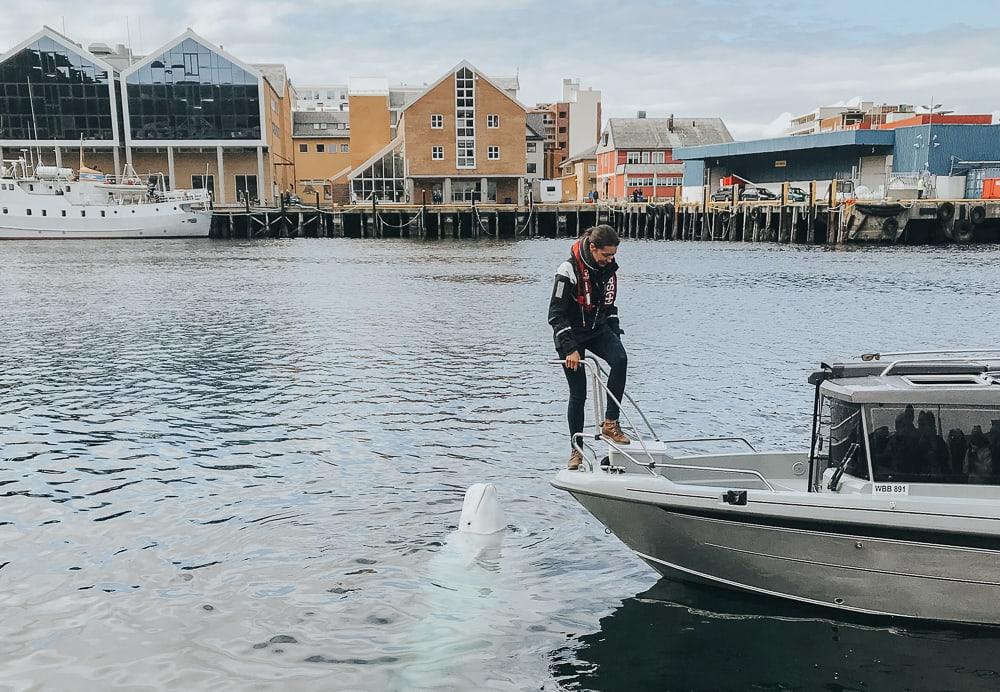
(891, 489)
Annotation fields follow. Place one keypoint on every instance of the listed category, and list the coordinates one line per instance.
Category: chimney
(670, 123)
(641, 115)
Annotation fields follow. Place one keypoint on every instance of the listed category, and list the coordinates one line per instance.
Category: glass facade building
(49, 92)
(191, 92)
(384, 180)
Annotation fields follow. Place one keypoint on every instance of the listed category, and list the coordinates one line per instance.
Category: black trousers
(607, 346)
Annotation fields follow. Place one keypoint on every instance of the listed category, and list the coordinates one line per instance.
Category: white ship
(50, 202)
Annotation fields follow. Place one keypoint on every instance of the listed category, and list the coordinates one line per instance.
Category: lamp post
(930, 121)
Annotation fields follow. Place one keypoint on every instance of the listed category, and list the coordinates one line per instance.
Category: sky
(750, 63)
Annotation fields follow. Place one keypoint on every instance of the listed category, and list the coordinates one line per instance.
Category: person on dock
(584, 317)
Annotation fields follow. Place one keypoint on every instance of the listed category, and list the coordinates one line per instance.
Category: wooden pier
(910, 221)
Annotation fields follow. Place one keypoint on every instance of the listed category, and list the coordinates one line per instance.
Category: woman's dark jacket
(572, 323)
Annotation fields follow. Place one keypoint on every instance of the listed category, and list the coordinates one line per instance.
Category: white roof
(368, 86)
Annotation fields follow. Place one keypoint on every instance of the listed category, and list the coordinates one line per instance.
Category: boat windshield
(840, 442)
(933, 443)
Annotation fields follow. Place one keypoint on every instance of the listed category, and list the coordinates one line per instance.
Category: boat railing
(600, 389)
(966, 356)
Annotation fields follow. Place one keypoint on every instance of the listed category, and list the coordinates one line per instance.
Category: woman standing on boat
(584, 317)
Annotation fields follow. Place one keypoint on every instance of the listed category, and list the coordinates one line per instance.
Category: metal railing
(600, 389)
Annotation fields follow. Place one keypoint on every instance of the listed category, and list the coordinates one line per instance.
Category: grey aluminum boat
(893, 510)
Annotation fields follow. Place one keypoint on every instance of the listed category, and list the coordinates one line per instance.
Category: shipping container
(991, 188)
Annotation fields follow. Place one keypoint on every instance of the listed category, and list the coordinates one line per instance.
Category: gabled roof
(189, 34)
(535, 122)
(585, 155)
(667, 133)
(50, 33)
(276, 74)
(456, 68)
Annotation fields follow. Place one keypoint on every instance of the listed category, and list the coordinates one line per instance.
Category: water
(240, 465)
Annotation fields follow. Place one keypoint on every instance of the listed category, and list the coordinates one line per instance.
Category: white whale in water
(466, 595)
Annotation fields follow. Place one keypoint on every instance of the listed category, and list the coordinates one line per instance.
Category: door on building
(246, 188)
(204, 182)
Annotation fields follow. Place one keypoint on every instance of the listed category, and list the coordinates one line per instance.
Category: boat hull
(142, 224)
(849, 567)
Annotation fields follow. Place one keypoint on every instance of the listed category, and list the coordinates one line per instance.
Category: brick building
(462, 139)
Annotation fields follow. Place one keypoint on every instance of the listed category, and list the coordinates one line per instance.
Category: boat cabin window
(840, 442)
(933, 443)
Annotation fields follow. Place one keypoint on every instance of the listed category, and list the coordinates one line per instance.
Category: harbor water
(240, 465)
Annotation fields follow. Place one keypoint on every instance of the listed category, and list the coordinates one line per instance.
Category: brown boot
(575, 459)
(613, 432)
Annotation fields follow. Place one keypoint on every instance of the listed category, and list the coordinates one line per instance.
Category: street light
(930, 121)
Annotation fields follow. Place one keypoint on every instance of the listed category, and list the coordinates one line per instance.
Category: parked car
(797, 194)
(723, 194)
(757, 193)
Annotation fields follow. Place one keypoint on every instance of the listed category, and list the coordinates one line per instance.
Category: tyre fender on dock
(977, 214)
(963, 232)
(890, 227)
(946, 212)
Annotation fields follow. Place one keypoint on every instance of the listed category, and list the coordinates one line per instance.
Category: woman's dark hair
(603, 236)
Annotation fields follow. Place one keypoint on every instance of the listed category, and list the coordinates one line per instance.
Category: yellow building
(329, 145)
(579, 176)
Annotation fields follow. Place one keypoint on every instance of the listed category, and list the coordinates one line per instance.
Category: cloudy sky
(751, 63)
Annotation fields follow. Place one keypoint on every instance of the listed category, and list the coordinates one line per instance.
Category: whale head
(481, 511)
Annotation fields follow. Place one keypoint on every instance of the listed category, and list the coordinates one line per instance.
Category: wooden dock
(853, 221)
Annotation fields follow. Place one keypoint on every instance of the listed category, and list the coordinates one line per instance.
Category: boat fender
(481, 511)
(735, 497)
(946, 212)
(977, 214)
(964, 232)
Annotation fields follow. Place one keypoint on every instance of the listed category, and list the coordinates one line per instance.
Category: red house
(637, 153)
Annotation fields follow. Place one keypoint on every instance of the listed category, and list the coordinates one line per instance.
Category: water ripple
(240, 465)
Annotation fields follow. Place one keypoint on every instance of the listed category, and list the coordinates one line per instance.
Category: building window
(532, 147)
(191, 65)
(658, 157)
(465, 119)
(493, 121)
(532, 168)
(562, 130)
(632, 157)
(303, 148)
(320, 148)
(204, 182)
(344, 148)
(437, 153)
(493, 153)
(246, 188)
(437, 121)
(592, 168)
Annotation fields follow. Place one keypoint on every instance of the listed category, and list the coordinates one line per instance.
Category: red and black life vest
(584, 288)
